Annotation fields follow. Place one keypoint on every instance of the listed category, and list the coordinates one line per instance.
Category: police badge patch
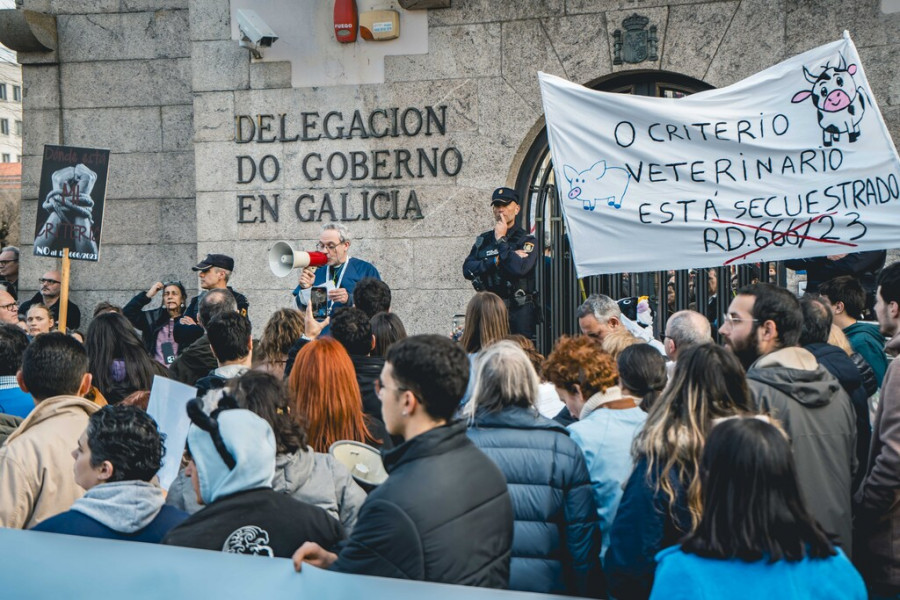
(528, 247)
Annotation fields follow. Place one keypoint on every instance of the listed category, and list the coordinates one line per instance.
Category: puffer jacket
(443, 515)
(817, 414)
(308, 476)
(556, 541)
(36, 463)
(605, 435)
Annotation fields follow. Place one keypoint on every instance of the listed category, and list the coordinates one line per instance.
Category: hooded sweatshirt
(308, 476)
(244, 514)
(817, 414)
(866, 339)
(124, 510)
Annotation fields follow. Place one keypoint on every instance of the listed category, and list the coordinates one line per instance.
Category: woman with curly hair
(607, 420)
(662, 500)
(284, 327)
(323, 391)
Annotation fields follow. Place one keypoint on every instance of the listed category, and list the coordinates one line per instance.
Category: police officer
(502, 261)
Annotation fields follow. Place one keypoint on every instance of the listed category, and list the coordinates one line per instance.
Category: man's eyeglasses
(379, 385)
(726, 318)
(13, 307)
(329, 246)
(43, 281)
(3, 263)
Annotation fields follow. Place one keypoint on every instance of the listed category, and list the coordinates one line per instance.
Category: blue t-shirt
(13, 401)
(682, 575)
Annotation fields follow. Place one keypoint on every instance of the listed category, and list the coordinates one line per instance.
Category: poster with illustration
(71, 200)
(792, 162)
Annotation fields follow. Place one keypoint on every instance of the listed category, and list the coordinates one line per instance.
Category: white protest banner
(793, 162)
(167, 406)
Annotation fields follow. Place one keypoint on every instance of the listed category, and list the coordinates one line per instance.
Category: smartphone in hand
(318, 297)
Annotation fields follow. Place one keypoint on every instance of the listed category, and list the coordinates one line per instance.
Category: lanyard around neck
(337, 284)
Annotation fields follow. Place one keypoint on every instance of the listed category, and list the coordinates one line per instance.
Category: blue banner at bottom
(36, 565)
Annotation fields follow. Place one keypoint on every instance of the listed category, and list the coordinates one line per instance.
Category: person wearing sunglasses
(339, 276)
(157, 325)
(51, 288)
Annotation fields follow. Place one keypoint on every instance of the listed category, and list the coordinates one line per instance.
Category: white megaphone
(283, 258)
(363, 462)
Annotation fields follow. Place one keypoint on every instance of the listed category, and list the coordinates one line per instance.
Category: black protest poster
(71, 200)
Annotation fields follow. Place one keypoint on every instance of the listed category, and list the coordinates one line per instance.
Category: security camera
(255, 34)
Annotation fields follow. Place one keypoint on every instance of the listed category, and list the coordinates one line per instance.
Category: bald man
(51, 287)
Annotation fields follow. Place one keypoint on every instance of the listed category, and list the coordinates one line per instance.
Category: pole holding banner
(64, 292)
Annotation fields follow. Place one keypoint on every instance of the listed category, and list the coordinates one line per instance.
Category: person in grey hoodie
(300, 472)
(116, 461)
(763, 327)
(231, 466)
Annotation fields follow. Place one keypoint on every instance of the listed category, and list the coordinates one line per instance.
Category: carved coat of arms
(637, 44)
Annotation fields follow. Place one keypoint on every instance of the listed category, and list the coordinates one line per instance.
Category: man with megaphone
(340, 274)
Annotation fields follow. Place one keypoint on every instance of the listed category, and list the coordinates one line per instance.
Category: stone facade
(161, 82)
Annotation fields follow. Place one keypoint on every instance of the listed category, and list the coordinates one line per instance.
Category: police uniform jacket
(494, 265)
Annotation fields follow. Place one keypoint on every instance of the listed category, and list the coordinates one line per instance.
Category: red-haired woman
(324, 392)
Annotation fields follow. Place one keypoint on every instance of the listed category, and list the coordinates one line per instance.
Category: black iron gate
(706, 290)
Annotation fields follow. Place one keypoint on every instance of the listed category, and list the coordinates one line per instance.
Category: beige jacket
(36, 479)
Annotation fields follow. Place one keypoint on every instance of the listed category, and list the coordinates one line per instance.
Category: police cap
(504, 195)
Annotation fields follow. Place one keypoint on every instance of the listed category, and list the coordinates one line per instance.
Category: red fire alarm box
(346, 21)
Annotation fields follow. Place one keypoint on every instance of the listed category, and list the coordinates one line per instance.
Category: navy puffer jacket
(556, 544)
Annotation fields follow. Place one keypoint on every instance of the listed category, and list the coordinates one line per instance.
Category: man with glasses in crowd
(762, 327)
(9, 269)
(9, 309)
(213, 272)
(339, 276)
(51, 288)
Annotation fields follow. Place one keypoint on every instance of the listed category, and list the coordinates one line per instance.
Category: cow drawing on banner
(599, 183)
(839, 102)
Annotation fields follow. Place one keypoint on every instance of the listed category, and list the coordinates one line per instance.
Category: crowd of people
(617, 466)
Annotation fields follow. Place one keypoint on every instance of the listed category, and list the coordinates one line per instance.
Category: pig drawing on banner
(599, 183)
(70, 206)
(839, 101)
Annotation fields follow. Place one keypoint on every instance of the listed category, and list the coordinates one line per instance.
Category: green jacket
(866, 339)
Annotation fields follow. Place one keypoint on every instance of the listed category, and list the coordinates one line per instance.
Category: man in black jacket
(350, 326)
(214, 272)
(444, 514)
(197, 360)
